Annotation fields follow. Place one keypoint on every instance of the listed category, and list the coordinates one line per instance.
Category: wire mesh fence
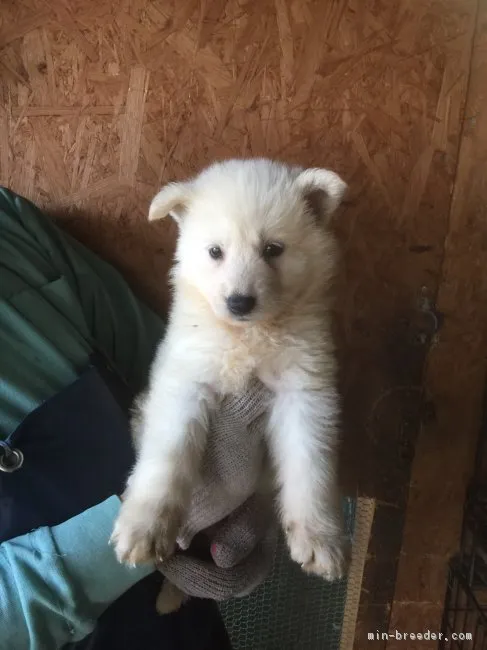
(465, 614)
(291, 610)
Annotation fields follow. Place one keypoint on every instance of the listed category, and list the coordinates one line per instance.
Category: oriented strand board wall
(103, 101)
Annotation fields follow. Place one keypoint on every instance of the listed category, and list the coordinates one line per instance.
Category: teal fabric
(59, 302)
(56, 582)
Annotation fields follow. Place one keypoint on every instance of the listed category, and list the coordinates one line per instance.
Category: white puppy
(252, 278)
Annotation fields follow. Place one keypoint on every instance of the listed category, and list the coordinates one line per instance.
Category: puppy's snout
(240, 305)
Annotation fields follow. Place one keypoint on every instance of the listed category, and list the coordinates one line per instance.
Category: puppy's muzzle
(240, 305)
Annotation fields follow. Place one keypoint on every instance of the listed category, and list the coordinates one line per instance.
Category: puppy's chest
(244, 356)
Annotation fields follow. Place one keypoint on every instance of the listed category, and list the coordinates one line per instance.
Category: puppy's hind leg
(170, 598)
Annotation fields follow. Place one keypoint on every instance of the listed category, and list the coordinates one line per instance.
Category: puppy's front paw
(324, 555)
(145, 533)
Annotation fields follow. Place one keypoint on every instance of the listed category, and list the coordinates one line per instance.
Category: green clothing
(58, 303)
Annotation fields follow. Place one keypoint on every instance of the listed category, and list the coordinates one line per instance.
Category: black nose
(240, 305)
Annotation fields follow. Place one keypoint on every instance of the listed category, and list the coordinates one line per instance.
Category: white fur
(208, 353)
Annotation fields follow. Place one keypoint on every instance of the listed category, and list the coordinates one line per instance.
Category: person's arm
(55, 582)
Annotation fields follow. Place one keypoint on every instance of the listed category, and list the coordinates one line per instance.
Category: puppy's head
(253, 235)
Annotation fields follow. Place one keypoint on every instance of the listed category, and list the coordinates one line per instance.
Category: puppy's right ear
(322, 190)
(172, 200)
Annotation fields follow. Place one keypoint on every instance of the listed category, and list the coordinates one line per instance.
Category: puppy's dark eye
(273, 249)
(215, 252)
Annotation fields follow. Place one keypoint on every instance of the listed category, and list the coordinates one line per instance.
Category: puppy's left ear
(322, 190)
(173, 200)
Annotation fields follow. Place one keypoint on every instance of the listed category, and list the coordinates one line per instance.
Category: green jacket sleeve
(55, 582)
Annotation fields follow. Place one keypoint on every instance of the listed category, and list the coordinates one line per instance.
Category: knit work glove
(241, 554)
(238, 525)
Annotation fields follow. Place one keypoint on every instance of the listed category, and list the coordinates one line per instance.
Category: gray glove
(242, 551)
(230, 506)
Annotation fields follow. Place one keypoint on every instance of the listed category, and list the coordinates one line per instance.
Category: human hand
(240, 554)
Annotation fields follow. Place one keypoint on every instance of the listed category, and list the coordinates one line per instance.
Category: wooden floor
(103, 101)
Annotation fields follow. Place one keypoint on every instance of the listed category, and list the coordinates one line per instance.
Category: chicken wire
(291, 610)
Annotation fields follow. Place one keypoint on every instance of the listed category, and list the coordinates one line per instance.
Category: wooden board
(454, 378)
(103, 101)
